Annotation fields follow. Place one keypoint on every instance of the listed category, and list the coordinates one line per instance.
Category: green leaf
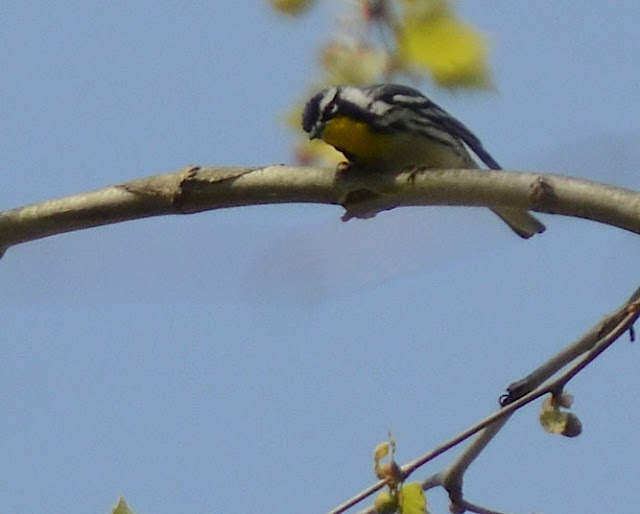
(553, 421)
(413, 500)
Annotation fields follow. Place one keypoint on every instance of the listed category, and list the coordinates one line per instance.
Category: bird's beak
(316, 130)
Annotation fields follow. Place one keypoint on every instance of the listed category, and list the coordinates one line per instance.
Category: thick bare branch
(196, 189)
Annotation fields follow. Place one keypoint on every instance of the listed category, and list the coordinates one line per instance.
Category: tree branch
(197, 189)
(585, 343)
(611, 328)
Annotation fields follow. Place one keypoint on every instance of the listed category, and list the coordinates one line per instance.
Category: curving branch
(196, 189)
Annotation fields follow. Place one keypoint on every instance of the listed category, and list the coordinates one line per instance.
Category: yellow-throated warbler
(392, 126)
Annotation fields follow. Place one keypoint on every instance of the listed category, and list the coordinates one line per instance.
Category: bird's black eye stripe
(330, 109)
(359, 113)
(354, 111)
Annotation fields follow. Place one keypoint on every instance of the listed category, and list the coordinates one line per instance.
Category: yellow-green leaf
(554, 421)
(385, 503)
(453, 52)
(381, 451)
(412, 499)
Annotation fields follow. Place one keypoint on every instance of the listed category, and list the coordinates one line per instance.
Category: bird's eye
(329, 110)
(329, 104)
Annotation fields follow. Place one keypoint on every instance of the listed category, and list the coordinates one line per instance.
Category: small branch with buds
(601, 336)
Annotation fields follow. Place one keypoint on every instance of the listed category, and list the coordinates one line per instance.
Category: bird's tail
(521, 222)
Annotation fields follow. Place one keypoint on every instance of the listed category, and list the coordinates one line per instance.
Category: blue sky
(252, 358)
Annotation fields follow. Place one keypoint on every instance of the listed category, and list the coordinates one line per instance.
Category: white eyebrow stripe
(327, 98)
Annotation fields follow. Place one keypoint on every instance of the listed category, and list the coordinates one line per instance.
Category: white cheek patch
(326, 100)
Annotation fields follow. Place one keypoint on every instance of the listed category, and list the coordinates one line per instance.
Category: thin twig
(452, 477)
(585, 343)
(631, 314)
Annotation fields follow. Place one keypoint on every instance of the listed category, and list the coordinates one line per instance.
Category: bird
(391, 126)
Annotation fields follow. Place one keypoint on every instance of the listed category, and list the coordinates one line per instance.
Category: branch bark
(196, 189)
